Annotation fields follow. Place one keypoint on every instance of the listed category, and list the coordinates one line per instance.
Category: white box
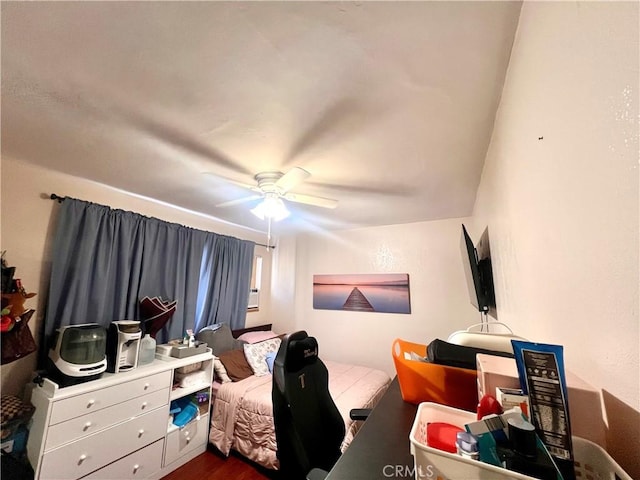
(513, 397)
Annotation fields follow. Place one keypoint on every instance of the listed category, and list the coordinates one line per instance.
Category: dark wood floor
(212, 465)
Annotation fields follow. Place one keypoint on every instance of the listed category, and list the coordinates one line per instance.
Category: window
(254, 288)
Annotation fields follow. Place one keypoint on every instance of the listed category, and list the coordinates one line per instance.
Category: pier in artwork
(357, 301)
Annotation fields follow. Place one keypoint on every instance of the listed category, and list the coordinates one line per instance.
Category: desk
(380, 449)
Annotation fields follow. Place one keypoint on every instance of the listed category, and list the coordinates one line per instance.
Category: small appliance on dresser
(123, 345)
(78, 354)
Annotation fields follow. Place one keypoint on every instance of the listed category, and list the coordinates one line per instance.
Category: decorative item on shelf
(155, 313)
(17, 340)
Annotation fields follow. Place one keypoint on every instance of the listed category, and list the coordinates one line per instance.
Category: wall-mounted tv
(478, 272)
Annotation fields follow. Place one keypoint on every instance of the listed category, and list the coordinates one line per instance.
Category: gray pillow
(219, 340)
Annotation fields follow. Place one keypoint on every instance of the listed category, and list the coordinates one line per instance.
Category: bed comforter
(242, 416)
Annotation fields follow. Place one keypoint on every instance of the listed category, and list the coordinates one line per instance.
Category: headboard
(257, 328)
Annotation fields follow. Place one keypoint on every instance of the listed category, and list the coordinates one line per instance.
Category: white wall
(559, 193)
(28, 218)
(428, 251)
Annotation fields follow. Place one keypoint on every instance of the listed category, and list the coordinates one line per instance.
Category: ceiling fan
(273, 187)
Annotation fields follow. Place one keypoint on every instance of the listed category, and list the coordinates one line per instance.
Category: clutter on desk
(587, 417)
(467, 445)
(542, 378)
(508, 440)
(488, 405)
(452, 355)
(509, 437)
(518, 433)
(422, 381)
(513, 397)
(443, 436)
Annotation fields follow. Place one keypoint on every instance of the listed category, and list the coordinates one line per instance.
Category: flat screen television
(478, 273)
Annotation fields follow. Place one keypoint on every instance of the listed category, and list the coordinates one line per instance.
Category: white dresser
(119, 426)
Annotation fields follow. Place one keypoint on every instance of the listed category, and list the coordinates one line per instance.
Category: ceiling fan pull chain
(268, 233)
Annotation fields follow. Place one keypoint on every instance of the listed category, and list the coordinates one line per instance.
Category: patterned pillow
(256, 354)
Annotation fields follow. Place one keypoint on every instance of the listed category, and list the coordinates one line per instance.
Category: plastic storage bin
(429, 382)
(591, 461)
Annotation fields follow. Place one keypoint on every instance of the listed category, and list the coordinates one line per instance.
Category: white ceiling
(389, 105)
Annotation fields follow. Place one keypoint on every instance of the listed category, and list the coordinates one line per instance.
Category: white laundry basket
(591, 461)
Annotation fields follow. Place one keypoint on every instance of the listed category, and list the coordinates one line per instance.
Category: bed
(242, 414)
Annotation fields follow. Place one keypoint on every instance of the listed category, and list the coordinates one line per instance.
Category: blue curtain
(224, 282)
(106, 260)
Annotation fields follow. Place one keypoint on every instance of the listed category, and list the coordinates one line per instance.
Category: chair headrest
(301, 353)
(297, 351)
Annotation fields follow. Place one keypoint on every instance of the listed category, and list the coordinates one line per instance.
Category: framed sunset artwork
(378, 292)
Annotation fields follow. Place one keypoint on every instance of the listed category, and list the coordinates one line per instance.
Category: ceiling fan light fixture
(271, 207)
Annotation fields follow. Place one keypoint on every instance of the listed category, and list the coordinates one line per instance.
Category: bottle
(467, 445)
(147, 350)
(190, 338)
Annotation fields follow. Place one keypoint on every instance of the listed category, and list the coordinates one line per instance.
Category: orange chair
(429, 382)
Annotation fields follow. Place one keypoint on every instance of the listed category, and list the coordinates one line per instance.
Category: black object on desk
(381, 448)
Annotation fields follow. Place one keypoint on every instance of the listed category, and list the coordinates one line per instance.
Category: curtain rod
(60, 199)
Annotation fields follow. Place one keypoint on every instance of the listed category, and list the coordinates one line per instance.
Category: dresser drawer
(76, 459)
(182, 441)
(94, 422)
(105, 397)
(141, 464)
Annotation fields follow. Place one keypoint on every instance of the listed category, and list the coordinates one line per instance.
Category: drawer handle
(146, 386)
(82, 458)
(140, 432)
(86, 426)
(91, 402)
(188, 440)
(144, 405)
(135, 468)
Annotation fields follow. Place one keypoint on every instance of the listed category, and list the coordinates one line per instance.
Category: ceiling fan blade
(233, 182)
(292, 178)
(311, 200)
(239, 201)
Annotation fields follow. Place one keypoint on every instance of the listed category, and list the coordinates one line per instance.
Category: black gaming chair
(309, 427)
